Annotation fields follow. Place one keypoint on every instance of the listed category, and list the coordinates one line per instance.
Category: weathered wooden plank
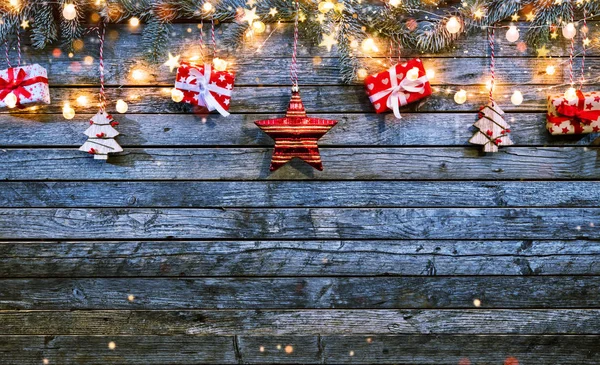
(302, 293)
(415, 129)
(447, 163)
(136, 350)
(298, 323)
(272, 70)
(221, 194)
(291, 258)
(408, 349)
(275, 99)
(300, 223)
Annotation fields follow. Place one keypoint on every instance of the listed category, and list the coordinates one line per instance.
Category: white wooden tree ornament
(101, 136)
(492, 129)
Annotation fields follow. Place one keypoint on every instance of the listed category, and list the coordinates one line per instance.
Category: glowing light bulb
(82, 100)
(207, 7)
(368, 45)
(550, 70)
(361, 73)
(138, 74)
(134, 22)
(412, 74)
(11, 100)
(516, 98)
(259, 26)
(571, 94)
(460, 97)
(453, 25)
(325, 6)
(220, 64)
(488, 85)
(121, 106)
(395, 3)
(512, 35)
(569, 31)
(176, 95)
(430, 73)
(15, 3)
(69, 12)
(68, 112)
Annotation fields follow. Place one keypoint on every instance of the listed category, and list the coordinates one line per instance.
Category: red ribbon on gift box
(16, 84)
(576, 114)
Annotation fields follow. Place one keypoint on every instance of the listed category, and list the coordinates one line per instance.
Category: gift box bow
(200, 83)
(574, 113)
(16, 84)
(397, 98)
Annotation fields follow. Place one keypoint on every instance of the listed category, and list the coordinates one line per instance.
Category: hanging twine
(571, 51)
(202, 38)
(101, 34)
(391, 53)
(212, 34)
(582, 80)
(492, 62)
(7, 49)
(294, 65)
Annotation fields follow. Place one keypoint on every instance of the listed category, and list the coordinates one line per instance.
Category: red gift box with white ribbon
(397, 86)
(202, 85)
(579, 115)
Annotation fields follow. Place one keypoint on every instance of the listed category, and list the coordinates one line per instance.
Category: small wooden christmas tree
(492, 129)
(101, 136)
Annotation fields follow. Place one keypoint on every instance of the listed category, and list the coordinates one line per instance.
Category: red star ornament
(296, 135)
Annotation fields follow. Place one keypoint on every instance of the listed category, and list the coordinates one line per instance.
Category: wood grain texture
(408, 349)
(297, 258)
(449, 163)
(231, 194)
(300, 322)
(301, 223)
(302, 293)
(147, 130)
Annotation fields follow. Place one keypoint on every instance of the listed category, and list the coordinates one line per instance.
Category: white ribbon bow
(203, 87)
(397, 97)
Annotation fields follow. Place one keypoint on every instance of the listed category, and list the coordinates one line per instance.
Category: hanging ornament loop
(582, 79)
(294, 65)
(491, 34)
(101, 32)
(7, 49)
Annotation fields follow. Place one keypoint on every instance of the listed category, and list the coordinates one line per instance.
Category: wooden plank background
(411, 247)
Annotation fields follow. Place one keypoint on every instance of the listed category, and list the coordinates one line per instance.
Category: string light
(259, 27)
(412, 74)
(69, 12)
(134, 22)
(430, 73)
(15, 4)
(571, 94)
(138, 74)
(460, 97)
(68, 112)
(121, 106)
(220, 64)
(550, 70)
(569, 31)
(395, 3)
(176, 95)
(516, 98)
(368, 45)
(207, 7)
(325, 6)
(512, 35)
(11, 100)
(453, 25)
(82, 100)
(112, 345)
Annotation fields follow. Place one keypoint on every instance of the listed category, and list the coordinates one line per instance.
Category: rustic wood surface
(411, 247)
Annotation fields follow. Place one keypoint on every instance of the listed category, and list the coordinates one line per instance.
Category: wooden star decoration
(514, 17)
(249, 16)
(272, 11)
(25, 24)
(296, 135)
(542, 52)
(530, 17)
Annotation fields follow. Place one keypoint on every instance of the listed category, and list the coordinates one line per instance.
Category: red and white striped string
(212, 34)
(391, 53)
(294, 65)
(583, 35)
(491, 35)
(7, 49)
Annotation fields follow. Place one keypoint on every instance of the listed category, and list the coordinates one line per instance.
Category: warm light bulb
(489, 85)
(220, 64)
(138, 74)
(453, 25)
(258, 26)
(176, 95)
(134, 22)
(395, 3)
(516, 98)
(82, 100)
(512, 35)
(569, 31)
(368, 45)
(207, 7)
(325, 6)
(412, 74)
(571, 94)
(68, 112)
(460, 97)
(550, 70)
(361, 73)
(11, 100)
(430, 73)
(15, 3)
(69, 11)
(121, 106)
